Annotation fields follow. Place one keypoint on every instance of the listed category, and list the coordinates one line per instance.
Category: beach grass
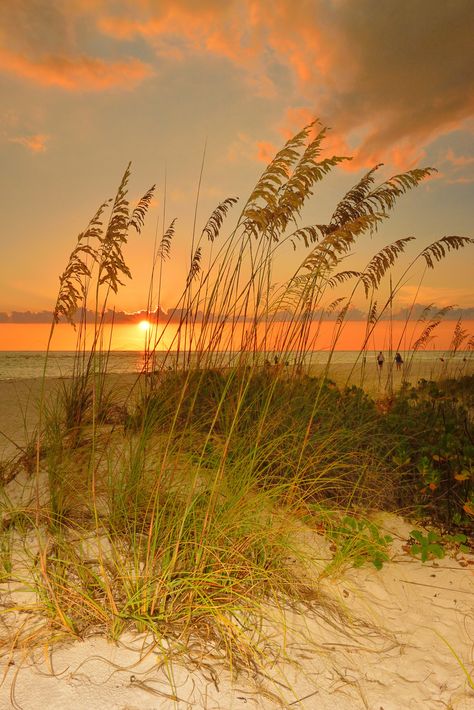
(177, 509)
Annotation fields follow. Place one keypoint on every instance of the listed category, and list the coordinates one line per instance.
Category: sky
(89, 85)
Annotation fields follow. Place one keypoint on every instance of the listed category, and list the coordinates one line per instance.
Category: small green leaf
(417, 535)
(437, 551)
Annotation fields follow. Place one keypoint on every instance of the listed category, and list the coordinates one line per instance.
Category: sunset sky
(89, 85)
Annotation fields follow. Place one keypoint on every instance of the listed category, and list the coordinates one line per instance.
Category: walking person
(398, 361)
(380, 360)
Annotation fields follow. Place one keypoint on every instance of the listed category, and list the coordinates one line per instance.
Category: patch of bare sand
(19, 400)
(378, 382)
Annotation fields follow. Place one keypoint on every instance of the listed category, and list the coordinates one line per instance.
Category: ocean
(15, 365)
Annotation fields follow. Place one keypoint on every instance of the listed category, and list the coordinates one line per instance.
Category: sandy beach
(19, 401)
(401, 638)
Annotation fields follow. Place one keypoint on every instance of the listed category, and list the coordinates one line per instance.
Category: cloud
(266, 151)
(242, 148)
(459, 160)
(394, 96)
(388, 77)
(464, 180)
(433, 311)
(76, 73)
(442, 296)
(459, 169)
(35, 143)
(180, 29)
(110, 316)
(402, 92)
(42, 41)
(245, 148)
(175, 315)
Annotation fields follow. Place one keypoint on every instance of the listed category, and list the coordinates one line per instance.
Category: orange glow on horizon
(129, 337)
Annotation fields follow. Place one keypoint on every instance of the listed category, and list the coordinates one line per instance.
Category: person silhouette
(398, 361)
(380, 360)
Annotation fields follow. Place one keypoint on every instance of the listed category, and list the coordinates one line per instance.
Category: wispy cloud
(458, 169)
(35, 143)
(44, 42)
(442, 296)
(463, 180)
(458, 160)
(79, 73)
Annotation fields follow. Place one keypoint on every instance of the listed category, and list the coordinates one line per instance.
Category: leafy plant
(428, 546)
(359, 541)
(431, 430)
(458, 541)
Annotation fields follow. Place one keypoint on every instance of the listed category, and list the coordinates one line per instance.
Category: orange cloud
(442, 296)
(464, 180)
(35, 143)
(458, 169)
(242, 148)
(459, 160)
(344, 58)
(75, 73)
(177, 29)
(265, 151)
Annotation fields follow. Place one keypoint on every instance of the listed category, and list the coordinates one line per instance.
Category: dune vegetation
(178, 508)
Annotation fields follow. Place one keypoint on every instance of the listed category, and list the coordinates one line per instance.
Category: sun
(144, 325)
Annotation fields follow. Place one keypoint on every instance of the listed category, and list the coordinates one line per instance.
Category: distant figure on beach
(398, 361)
(380, 360)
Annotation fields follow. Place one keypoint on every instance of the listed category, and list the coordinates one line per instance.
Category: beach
(19, 398)
(236, 356)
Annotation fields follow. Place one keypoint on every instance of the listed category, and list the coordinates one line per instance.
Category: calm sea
(23, 364)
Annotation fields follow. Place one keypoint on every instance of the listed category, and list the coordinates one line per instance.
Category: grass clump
(359, 541)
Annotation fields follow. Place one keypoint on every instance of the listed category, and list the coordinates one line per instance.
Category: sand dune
(408, 632)
(392, 653)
